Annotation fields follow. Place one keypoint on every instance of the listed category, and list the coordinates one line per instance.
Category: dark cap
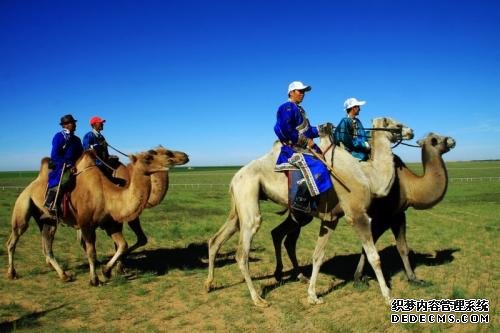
(67, 119)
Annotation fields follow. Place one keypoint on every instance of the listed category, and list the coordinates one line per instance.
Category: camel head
(396, 130)
(171, 157)
(442, 144)
(157, 160)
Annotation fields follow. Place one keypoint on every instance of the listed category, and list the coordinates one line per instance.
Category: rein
(110, 146)
(83, 170)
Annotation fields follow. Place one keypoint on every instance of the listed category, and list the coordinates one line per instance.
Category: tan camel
(408, 190)
(95, 201)
(258, 180)
(159, 188)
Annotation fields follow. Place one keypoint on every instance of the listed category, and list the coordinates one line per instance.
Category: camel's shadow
(161, 260)
(26, 321)
(342, 267)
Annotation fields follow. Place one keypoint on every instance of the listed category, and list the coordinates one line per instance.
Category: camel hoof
(67, 277)
(12, 274)
(95, 282)
(315, 300)
(120, 269)
(106, 272)
(278, 275)
(261, 303)
(209, 286)
(302, 278)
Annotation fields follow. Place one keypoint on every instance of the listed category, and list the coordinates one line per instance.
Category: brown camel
(95, 201)
(159, 188)
(258, 180)
(409, 190)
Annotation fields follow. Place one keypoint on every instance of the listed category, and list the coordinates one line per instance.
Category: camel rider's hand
(367, 145)
(310, 143)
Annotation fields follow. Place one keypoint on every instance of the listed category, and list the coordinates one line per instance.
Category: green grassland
(453, 250)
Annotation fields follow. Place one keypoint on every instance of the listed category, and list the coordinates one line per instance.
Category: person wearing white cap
(350, 131)
(296, 134)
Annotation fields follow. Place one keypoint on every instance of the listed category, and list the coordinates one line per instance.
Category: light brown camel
(258, 180)
(408, 190)
(95, 201)
(159, 188)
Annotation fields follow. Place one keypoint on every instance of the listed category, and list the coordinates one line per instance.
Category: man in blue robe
(66, 149)
(350, 131)
(296, 134)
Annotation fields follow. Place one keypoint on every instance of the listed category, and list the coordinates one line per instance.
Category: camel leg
(290, 246)
(250, 223)
(317, 260)
(19, 226)
(216, 242)
(21, 215)
(89, 237)
(142, 239)
(363, 229)
(399, 230)
(121, 247)
(378, 228)
(278, 233)
(48, 232)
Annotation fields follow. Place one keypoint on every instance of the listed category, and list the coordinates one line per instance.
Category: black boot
(50, 200)
(302, 198)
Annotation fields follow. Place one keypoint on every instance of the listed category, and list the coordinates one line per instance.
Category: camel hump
(44, 167)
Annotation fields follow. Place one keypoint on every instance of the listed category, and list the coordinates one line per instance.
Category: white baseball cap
(350, 102)
(297, 85)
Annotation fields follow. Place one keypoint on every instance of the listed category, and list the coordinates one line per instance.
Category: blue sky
(206, 77)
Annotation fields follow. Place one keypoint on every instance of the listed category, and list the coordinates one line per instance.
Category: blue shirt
(95, 140)
(352, 134)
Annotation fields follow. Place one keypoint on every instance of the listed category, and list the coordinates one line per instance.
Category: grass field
(453, 243)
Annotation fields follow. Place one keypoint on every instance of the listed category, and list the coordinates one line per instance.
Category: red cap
(96, 119)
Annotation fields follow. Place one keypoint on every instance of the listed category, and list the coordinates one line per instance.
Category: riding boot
(302, 198)
(50, 200)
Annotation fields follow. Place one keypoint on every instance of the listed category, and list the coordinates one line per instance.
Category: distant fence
(204, 186)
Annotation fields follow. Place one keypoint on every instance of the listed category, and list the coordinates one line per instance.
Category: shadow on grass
(161, 260)
(26, 321)
(343, 267)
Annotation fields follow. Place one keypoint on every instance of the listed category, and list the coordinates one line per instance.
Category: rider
(66, 149)
(296, 134)
(351, 133)
(96, 141)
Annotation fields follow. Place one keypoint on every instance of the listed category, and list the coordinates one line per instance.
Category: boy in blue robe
(296, 134)
(350, 131)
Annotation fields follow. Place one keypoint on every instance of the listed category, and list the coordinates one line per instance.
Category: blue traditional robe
(66, 149)
(293, 129)
(352, 134)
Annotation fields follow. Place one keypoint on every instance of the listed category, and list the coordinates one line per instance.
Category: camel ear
(420, 142)
(132, 158)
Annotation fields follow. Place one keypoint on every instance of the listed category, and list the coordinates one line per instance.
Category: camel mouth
(450, 143)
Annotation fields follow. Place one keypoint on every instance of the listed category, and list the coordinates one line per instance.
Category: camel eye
(170, 154)
(434, 141)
